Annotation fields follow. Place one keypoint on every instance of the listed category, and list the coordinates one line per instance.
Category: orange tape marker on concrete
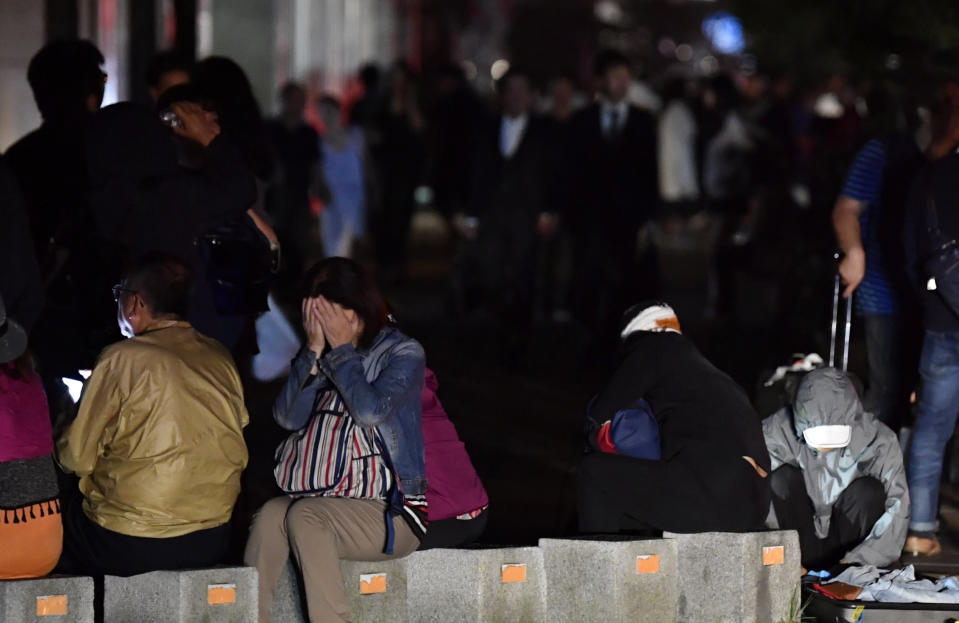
(372, 583)
(775, 555)
(514, 573)
(218, 594)
(51, 605)
(647, 564)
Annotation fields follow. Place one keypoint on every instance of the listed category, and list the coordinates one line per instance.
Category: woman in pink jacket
(31, 533)
(458, 504)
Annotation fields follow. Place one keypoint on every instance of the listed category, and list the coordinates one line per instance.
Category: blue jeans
(938, 407)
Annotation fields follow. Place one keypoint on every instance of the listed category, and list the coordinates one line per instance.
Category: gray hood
(825, 397)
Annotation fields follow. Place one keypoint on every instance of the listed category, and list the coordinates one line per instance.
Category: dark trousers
(855, 512)
(394, 224)
(609, 276)
(892, 352)
(619, 494)
(453, 533)
(90, 549)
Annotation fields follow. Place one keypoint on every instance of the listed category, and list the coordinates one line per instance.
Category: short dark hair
(609, 59)
(63, 74)
(183, 93)
(344, 281)
(164, 282)
(290, 88)
(165, 62)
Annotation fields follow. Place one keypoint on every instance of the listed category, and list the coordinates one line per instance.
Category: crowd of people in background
(205, 218)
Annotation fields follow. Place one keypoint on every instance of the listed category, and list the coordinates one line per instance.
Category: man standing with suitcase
(868, 219)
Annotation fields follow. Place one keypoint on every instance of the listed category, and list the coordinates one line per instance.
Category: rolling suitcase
(837, 288)
(823, 609)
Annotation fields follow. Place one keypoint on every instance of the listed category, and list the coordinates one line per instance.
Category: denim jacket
(381, 387)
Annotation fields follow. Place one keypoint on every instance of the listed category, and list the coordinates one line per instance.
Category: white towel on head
(658, 318)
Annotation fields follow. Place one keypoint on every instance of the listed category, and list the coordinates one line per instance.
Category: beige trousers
(320, 532)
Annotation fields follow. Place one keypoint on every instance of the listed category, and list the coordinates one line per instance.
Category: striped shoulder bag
(332, 456)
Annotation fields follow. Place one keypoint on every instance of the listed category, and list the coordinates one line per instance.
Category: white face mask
(828, 437)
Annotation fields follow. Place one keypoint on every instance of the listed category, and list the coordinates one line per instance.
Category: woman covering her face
(353, 465)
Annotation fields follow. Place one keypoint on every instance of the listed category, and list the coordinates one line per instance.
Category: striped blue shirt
(864, 183)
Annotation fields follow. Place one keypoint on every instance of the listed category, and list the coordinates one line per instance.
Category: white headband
(658, 318)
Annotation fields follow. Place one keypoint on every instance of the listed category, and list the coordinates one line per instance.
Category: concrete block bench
(219, 595)
(737, 578)
(611, 579)
(67, 599)
(477, 585)
(376, 591)
(289, 605)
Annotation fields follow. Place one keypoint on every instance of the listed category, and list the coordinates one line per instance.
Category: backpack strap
(394, 497)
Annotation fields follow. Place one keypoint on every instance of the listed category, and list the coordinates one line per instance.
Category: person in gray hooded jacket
(838, 477)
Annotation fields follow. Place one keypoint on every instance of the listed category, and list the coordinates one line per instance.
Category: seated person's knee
(786, 480)
(864, 497)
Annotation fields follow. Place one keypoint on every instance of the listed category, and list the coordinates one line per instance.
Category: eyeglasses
(118, 289)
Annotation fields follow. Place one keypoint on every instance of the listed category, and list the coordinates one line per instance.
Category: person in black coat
(146, 202)
(615, 193)
(48, 165)
(506, 203)
(712, 472)
(21, 288)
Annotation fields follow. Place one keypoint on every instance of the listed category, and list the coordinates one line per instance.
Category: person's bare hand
(314, 328)
(852, 269)
(341, 326)
(196, 123)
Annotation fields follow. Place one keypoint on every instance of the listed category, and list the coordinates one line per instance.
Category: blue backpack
(632, 432)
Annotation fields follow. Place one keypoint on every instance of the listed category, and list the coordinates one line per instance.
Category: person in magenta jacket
(31, 531)
(458, 504)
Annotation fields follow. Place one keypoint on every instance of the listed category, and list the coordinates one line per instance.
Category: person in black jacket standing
(934, 189)
(712, 472)
(506, 204)
(615, 193)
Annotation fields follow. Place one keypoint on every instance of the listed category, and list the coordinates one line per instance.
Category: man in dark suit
(506, 202)
(615, 193)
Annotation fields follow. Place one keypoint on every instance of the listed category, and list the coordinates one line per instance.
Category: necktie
(615, 123)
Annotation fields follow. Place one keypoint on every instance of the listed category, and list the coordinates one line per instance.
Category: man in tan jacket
(158, 438)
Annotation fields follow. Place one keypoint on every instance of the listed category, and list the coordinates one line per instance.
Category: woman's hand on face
(339, 325)
(315, 338)
(197, 124)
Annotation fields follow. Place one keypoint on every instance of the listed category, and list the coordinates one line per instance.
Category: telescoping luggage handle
(837, 289)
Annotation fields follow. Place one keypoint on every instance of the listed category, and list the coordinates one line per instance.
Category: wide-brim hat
(13, 339)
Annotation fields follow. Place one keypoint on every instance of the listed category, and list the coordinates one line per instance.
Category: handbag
(333, 456)
(239, 263)
(942, 264)
(632, 432)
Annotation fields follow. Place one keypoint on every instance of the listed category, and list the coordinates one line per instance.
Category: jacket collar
(159, 325)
